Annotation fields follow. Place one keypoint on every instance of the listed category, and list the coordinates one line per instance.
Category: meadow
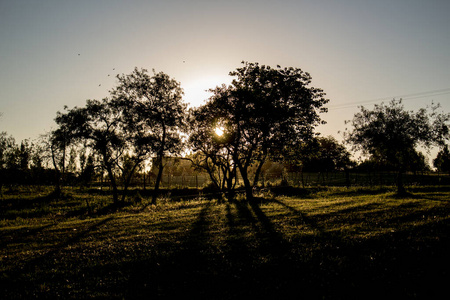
(314, 243)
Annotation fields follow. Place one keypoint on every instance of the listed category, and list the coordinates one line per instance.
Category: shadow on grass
(16, 279)
(301, 216)
(27, 206)
(245, 264)
(251, 258)
(181, 267)
(20, 235)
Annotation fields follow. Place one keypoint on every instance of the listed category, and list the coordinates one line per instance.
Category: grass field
(316, 243)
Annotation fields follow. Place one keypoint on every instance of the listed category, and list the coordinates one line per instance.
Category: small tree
(8, 154)
(442, 160)
(214, 152)
(391, 134)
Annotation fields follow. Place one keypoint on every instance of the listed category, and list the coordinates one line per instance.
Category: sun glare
(219, 130)
(196, 91)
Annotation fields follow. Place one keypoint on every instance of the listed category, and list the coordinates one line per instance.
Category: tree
(390, 134)
(214, 152)
(7, 156)
(442, 160)
(153, 117)
(324, 154)
(87, 167)
(264, 112)
(98, 126)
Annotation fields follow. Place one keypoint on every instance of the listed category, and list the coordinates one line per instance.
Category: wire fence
(302, 179)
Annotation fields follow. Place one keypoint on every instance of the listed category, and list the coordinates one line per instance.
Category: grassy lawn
(323, 243)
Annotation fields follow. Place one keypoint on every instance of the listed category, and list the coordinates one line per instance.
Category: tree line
(265, 115)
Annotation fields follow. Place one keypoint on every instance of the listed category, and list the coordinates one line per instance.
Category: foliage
(19, 164)
(97, 125)
(153, 116)
(212, 153)
(442, 161)
(322, 154)
(390, 134)
(143, 117)
(264, 111)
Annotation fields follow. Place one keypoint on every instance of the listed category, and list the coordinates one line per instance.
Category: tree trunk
(400, 187)
(231, 185)
(57, 191)
(112, 180)
(347, 177)
(158, 180)
(160, 162)
(247, 184)
(258, 170)
(128, 180)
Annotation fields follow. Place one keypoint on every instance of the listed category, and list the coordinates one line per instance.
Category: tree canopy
(263, 112)
(143, 117)
(392, 134)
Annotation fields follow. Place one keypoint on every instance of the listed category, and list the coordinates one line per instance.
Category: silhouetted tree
(7, 156)
(391, 134)
(216, 154)
(265, 110)
(326, 154)
(144, 116)
(442, 160)
(53, 149)
(98, 125)
(153, 116)
(87, 167)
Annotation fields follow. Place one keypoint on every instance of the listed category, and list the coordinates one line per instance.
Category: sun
(219, 130)
(197, 91)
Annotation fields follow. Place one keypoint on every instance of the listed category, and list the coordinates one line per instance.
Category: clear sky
(56, 53)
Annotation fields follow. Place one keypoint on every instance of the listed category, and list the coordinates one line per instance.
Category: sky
(57, 53)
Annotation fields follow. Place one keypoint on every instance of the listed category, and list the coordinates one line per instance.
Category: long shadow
(24, 204)
(184, 269)
(302, 217)
(29, 265)
(275, 240)
(19, 235)
(270, 266)
(419, 197)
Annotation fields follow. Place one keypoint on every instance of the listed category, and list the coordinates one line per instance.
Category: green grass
(320, 243)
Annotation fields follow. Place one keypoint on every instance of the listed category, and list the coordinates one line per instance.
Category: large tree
(153, 118)
(264, 112)
(391, 134)
(143, 117)
(98, 125)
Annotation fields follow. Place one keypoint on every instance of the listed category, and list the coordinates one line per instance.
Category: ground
(331, 243)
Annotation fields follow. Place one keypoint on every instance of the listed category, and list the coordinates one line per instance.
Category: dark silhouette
(153, 117)
(390, 134)
(98, 125)
(263, 113)
(143, 117)
(442, 161)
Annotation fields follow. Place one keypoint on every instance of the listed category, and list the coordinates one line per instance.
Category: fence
(305, 179)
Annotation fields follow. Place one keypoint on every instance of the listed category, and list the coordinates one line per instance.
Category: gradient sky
(56, 53)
